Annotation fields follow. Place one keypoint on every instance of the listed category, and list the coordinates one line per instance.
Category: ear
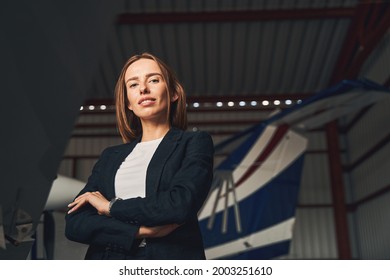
(174, 97)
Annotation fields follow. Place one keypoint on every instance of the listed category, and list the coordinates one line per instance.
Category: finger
(71, 210)
(79, 199)
(71, 204)
(75, 207)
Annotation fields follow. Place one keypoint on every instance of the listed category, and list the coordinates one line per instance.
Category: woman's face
(146, 91)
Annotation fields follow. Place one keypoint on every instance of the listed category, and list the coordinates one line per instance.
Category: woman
(142, 198)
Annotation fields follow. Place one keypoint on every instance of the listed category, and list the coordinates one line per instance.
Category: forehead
(141, 68)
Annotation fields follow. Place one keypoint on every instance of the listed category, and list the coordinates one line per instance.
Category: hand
(96, 199)
(157, 231)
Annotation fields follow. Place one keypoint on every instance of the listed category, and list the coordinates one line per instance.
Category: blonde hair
(129, 125)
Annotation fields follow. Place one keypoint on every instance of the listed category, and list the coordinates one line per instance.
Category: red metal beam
(234, 16)
(346, 55)
(371, 38)
(338, 192)
(350, 45)
(367, 28)
(354, 52)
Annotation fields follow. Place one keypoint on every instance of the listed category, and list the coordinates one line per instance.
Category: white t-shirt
(130, 178)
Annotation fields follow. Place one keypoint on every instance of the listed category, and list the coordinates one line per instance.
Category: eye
(133, 85)
(154, 80)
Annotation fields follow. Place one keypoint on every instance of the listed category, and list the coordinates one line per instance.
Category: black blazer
(178, 180)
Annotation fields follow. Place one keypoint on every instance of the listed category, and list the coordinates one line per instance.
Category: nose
(144, 88)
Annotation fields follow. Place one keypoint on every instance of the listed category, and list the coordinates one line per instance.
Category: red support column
(338, 192)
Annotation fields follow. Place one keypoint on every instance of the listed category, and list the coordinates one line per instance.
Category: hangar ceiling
(246, 48)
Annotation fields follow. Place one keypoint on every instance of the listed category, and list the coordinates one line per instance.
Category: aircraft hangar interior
(294, 93)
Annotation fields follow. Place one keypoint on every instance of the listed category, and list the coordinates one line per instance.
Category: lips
(146, 101)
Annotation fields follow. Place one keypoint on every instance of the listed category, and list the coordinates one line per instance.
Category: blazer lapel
(157, 163)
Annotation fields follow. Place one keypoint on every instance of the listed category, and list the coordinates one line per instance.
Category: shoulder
(199, 134)
(179, 134)
(199, 138)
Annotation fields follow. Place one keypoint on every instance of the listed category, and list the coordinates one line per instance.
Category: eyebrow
(147, 76)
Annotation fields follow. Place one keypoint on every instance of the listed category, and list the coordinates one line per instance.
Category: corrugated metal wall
(377, 66)
(368, 155)
(373, 228)
(369, 178)
(314, 232)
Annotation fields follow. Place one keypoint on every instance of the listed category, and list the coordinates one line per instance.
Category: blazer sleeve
(184, 196)
(87, 226)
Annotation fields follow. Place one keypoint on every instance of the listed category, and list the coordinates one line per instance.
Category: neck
(152, 132)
